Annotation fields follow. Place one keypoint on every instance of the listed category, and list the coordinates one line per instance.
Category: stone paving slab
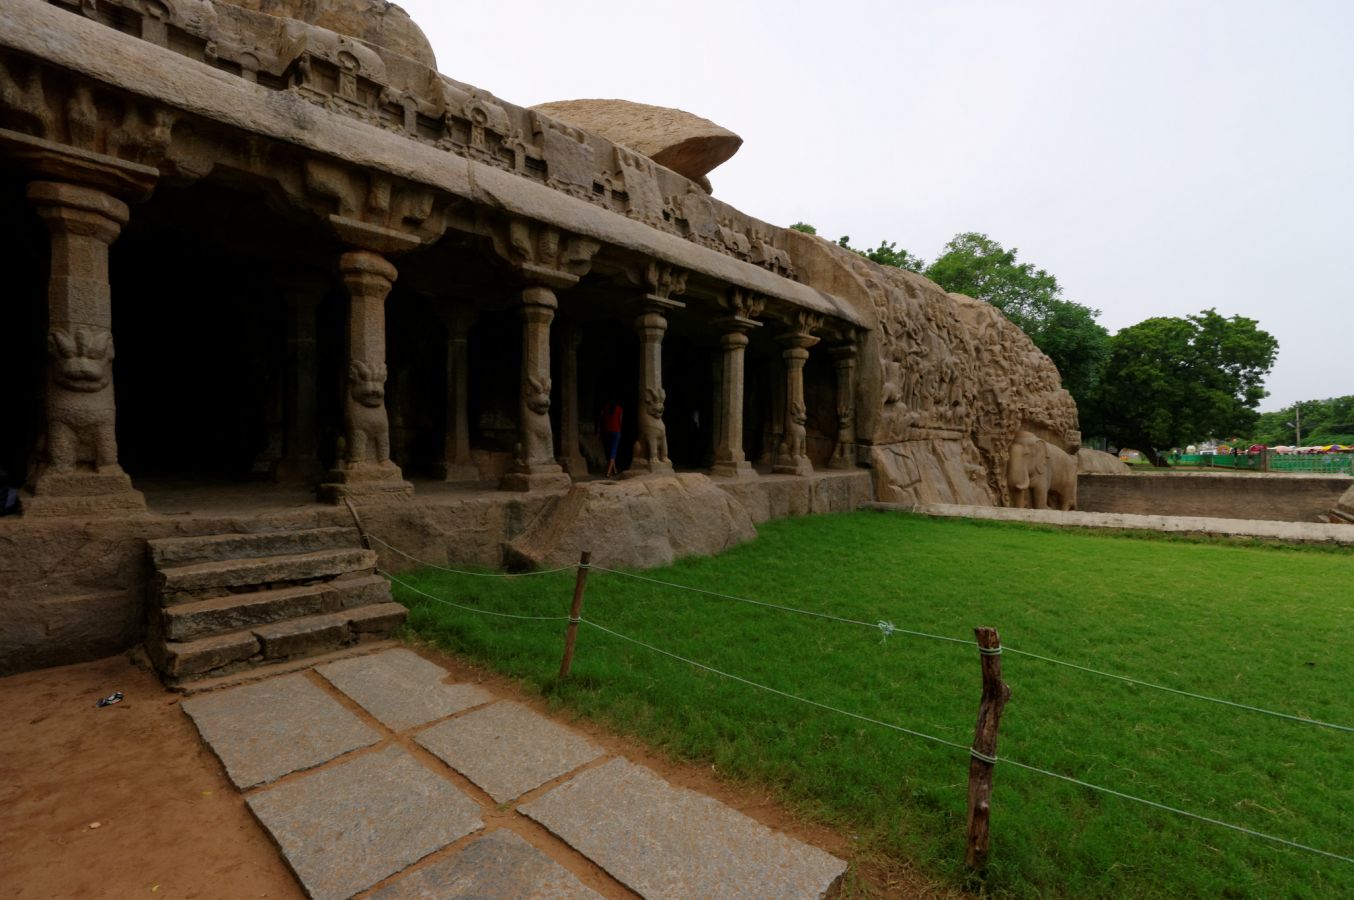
(507, 749)
(500, 864)
(668, 842)
(269, 729)
(402, 689)
(346, 828)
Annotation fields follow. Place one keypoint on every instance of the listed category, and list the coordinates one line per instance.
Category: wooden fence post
(983, 756)
(575, 613)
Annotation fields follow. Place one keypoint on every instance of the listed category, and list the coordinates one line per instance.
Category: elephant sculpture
(1038, 471)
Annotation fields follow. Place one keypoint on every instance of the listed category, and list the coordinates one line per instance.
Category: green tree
(887, 254)
(1169, 381)
(1067, 332)
(1329, 421)
(804, 227)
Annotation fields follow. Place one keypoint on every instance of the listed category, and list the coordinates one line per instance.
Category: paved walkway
(372, 772)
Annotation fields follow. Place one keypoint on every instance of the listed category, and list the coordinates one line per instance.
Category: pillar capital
(743, 308)
(78, 210)
(543, 254)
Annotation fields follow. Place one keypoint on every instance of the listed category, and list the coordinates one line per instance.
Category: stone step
(201, 581)
(188, 621)
(184, 551)
(221, 654)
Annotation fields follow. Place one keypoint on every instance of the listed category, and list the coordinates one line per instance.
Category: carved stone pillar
(844, 453)
(80, 473)
(535, 467)
(651, 444)
(547, 260)
(570, 454)
(300, 462)
(457, 464)
(792, 456)
(730, 460)
(365, 469)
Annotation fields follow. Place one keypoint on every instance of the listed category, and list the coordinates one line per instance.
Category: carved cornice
(543, 255)
(374, 211)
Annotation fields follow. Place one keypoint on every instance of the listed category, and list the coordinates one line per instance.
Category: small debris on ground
(115, 697)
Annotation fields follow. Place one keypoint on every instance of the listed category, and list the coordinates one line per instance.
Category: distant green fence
(1317, 464)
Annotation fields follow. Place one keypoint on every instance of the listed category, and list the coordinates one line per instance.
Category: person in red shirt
(611, 434)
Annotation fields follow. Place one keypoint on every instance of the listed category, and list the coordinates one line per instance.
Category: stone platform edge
(1292, 532)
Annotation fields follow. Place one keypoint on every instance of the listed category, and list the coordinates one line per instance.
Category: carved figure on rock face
(1037, 470)
(652, 444)
(794, 444)
(80, 411)
(536, 429)
(368, 425)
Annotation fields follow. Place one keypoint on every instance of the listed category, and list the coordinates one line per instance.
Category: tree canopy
(1157, 384)
(1171, 380)
(1066, 331)
(1329, 421)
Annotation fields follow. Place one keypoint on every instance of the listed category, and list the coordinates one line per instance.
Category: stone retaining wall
(1274, 498)
(76, 590)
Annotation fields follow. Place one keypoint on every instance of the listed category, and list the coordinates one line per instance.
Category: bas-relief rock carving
(1037, 472)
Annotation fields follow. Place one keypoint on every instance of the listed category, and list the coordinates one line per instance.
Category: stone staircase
(227, 603)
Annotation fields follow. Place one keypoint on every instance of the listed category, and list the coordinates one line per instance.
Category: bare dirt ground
(125, 801)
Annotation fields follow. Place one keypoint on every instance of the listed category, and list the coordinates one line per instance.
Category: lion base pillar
(80, 475)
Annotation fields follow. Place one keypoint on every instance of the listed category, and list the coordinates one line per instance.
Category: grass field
(1264, 626)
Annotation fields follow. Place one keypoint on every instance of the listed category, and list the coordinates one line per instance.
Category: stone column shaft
(792, 456)
(535, 467)
(570, 456)
(651, 445)
(843, 454)
(80, 472)
(730, 460)
(457, 463)
(366, 469)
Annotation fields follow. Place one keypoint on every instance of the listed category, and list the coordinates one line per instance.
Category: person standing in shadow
(611, 434)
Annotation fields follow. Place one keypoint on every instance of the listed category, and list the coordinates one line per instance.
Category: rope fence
(981, 761)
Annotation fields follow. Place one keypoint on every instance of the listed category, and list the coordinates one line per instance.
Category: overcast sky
(1158, 158)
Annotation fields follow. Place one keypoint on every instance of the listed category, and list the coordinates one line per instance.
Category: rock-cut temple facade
(269, 239)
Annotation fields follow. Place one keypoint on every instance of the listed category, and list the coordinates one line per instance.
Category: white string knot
(886, 629)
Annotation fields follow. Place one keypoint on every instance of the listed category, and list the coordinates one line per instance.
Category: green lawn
(1259, 625)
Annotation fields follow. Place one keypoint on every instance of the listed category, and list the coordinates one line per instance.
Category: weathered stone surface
(401, 688)
(383, 24)
(1344, 508)
(266, 730)
(1098, 462)
(500, 864)
(662, 841)
(507, 749)
(381, 619)
(183, 551)
(58, 628)
(685, 143)
(181, 659)
(1277, 497)
(303, 637)
(1295, 532)
(182, 583)
(346, 828)
(641, 522)
(186, 621)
